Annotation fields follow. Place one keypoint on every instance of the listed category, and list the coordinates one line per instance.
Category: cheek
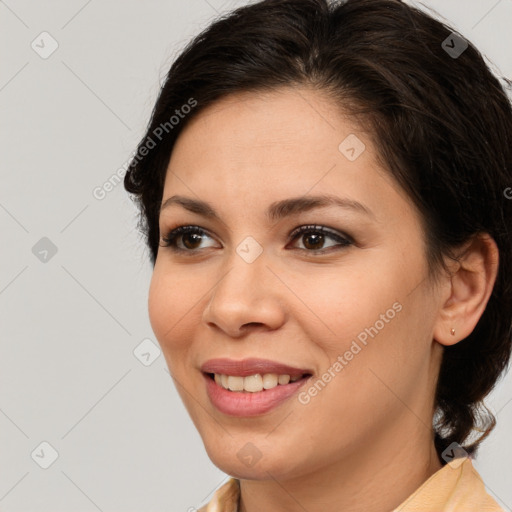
(156, 305)
(379, 323)
(170, 300)
(370, 380)
(349, 301)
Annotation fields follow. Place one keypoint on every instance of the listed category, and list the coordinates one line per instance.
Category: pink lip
(251, 366)
(235, 403)
(244, 403)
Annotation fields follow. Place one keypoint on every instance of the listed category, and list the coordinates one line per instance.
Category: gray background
(71, 373)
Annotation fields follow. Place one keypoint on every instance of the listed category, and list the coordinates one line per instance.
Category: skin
(367, 432)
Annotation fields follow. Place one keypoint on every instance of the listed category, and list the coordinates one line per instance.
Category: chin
(245, 462)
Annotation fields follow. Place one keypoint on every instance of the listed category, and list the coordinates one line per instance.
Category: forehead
(280, 119)
(255, 147)
(267, 131)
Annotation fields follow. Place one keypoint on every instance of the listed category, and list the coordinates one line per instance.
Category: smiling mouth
(254, 383)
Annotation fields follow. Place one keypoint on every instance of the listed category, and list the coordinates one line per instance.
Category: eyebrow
(277, 210)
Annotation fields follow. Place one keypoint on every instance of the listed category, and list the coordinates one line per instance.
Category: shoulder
(474, 488)
(456, 487)
(225, 498)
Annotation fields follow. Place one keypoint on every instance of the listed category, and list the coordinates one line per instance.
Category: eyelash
(170, 239)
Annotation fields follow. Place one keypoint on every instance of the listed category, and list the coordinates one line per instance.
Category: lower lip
(245, 403)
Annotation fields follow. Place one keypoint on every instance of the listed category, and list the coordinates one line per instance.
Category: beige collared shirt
(456, 487)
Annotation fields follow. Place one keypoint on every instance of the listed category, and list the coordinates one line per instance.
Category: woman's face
(351, 307)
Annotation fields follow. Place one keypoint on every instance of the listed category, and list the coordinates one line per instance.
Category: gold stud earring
(452, 332)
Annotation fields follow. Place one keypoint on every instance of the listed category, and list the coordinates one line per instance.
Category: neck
(376, 480)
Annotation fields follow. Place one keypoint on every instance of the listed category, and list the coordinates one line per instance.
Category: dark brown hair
(441, 122)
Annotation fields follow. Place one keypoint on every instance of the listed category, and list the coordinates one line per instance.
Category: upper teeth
(253, 383)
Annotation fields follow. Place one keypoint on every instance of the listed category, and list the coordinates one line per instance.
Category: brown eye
(314, 238)
(190, 237)
(191, 240)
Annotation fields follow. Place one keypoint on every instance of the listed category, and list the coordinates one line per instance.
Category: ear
(467, 291)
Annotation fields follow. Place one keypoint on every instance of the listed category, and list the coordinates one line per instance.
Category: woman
(322, 190)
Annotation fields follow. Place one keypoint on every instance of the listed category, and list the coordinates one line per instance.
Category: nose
(247, 296)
